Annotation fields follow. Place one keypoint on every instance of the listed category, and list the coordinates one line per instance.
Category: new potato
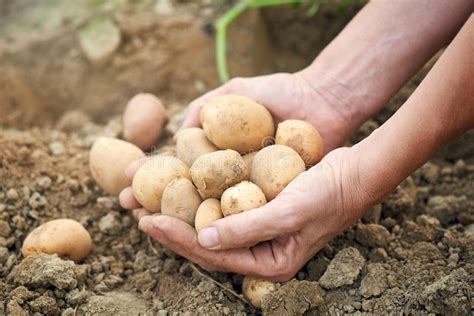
(243, 196)
(273, 167)
(255, 290)
(151, 179)
(191, 144)
(236, 122)
(208, 212)
(108, 159)
(180, 200)
(64, 237)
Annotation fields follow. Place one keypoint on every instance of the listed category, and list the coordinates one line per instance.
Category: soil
(413, 254)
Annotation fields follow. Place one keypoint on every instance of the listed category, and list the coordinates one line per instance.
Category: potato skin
(236, 122)
(303, 138)
(191, 144)
(180, 200)
(108, 159)
(273, 167)
(243, 196)
(151, 179)
(64, 237)
(208, 212)
(255, 289)
(214, 172)
(143, 120)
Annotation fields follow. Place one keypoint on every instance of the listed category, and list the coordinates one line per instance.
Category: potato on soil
(191, 144)
(108, 159)
(64, 237)
(273, 167)
(180, 200)
(243, 196)
(143, 120)
(151, 179)
(208, 212)
(303, 138)
(255, 289)
(214, 172)
(236, 122)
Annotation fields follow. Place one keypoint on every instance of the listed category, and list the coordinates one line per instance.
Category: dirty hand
(283, 234)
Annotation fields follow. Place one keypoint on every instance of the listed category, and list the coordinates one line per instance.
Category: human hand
(283, 234)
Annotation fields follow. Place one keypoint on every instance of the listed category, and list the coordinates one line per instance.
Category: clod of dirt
(293, 298)
(373, 214)
(5, 229)
(430, 172)
(114, 303)
(343, 269)
(372, 235)
(45, 305)
(44, 270)
(109, 224)
(446, 208)
(449, 295)
(375, 282)
(72, 121)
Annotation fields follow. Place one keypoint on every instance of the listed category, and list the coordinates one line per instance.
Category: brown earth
(412, 254)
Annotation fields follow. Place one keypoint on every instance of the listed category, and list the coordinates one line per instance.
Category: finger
(139, 213)
(274, 219)
(134, 166)
(128, 200)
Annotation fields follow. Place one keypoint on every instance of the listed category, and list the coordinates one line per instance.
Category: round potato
(108, 159)
(214, 172)
(181, 200)
(303, 138)
(143, 120)
(191, 144)
(64, 237)
(208, 212)
(243, 196)
(151, 179)
(255, 289)
(273, 167)
(236, 122)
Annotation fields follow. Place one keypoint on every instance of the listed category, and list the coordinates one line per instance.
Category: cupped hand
(277, 239)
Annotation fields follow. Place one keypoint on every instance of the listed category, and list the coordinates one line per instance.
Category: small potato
(274, 167)
(208, 212)
(255, 289)
(64, 237)
(214, 172)
(243, 196)
(236, 122)
(303, 138)
(181, 200)
(108, 159)
(143, 120)
(191, 144)
(151, 179)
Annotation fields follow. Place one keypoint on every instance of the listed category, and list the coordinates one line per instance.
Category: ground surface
(412, 254)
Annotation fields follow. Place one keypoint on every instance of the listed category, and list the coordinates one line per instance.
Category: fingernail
(209, 237)
(144, 224)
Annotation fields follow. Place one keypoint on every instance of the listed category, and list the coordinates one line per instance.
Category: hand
(314, 208)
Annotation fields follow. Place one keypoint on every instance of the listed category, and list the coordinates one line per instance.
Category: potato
(214, 172)
(108, 159)
(151, 179)
(208, 212)
(180, 200)
(255, 289)
(248, 158)
(274, 167)
(243, 196)
(303, 138)
(64, 237)
(143, 120)
(191, 144)
(236, 122)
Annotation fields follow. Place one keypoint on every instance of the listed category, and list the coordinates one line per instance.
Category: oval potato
(143, 120)
(152, 177)
(273, 167)
(236, 122)
(214, 172)
(191, 144)
(243, 196)
(181, 200)
(255, 289)
(64, 237)
(108, 159)
(303, 138)
(208, 212)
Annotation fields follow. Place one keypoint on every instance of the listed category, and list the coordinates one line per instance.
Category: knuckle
(235, 82)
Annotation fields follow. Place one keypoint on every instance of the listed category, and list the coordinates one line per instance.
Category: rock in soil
(343, 269)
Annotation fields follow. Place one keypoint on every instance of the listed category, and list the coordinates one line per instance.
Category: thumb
(274, 219)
